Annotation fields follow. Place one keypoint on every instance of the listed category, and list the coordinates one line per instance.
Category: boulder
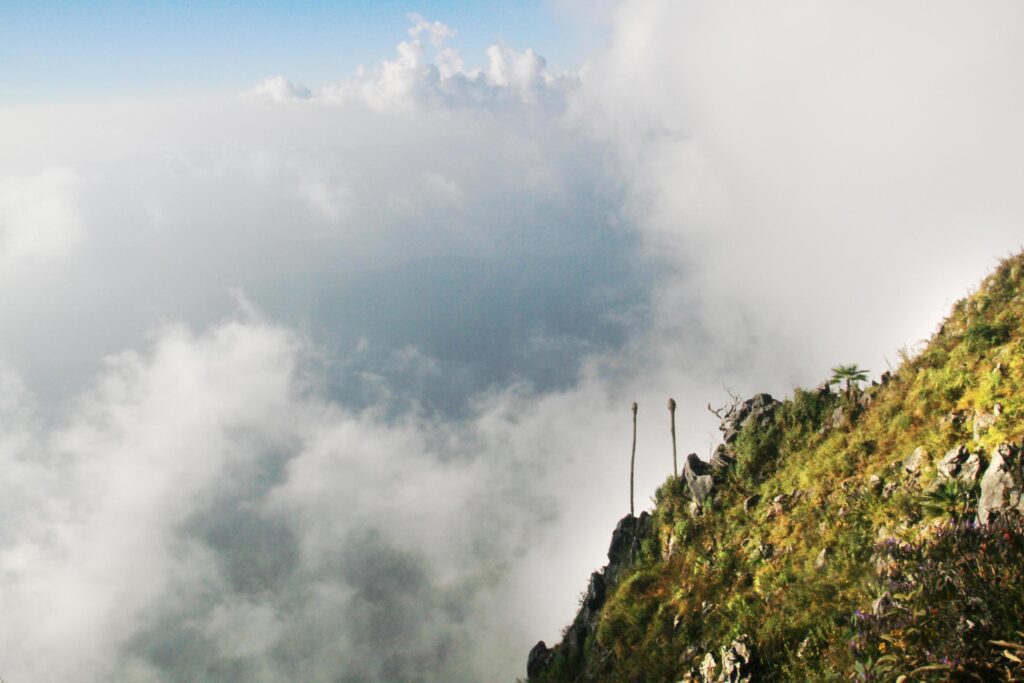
(959, 464)
(759, 410)
(539, 660)
(698, 477)
(1002, 487)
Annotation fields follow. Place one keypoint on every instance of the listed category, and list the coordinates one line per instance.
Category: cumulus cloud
(430, 75)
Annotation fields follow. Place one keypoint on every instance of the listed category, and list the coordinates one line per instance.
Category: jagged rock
(1002, 487)
(875, 483)
(738, 661)
(984, 421)
(708, 666)
(759, 410)
(539, 660)
(913, 462)
(597, 590)
(750, 502)
(721, 460)
(626, 538)
(766, 550)
(698, 477)
(838, 418)
(959, 464)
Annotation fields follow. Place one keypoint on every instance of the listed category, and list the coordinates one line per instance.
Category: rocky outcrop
(698, 477)
(959, 464)
(736, 664)
(1002, 487)
(759, 410)
(539, 660)
(738, 661)
(622, 553)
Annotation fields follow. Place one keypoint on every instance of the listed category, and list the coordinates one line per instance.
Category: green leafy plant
(850, 376)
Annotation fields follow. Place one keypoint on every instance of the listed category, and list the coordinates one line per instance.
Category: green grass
(800, 617)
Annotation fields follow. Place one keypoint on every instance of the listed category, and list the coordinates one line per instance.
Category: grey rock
(758, 410)
(913, 462)
(698, 477)
(1002, 487)
(539, 660)
(626, 538)
(708, 666)
(721, 459)
(738, 661)
(597, 590)
(751, 502)
(984, 421)
(875, 483)
(959, 464)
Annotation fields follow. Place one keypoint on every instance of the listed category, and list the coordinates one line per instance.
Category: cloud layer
(333, 383)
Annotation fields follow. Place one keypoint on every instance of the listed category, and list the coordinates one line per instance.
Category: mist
(331, 382)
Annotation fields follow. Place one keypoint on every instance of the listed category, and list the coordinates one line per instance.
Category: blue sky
(52, 51)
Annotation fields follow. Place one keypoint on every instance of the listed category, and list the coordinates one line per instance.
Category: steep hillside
(844, 532)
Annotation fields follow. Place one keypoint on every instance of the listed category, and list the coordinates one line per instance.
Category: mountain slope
(839, 537)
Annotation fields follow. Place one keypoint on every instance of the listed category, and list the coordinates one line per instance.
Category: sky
(322, 322)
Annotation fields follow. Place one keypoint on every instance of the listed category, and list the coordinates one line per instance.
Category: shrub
(955, 606)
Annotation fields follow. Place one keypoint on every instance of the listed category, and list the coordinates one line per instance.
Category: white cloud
(432, 76)
(411, 460)
(39, 216)
(437, 32)
(278, 89)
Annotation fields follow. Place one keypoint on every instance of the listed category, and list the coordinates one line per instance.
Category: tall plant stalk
(672, 413)
(632, 463)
